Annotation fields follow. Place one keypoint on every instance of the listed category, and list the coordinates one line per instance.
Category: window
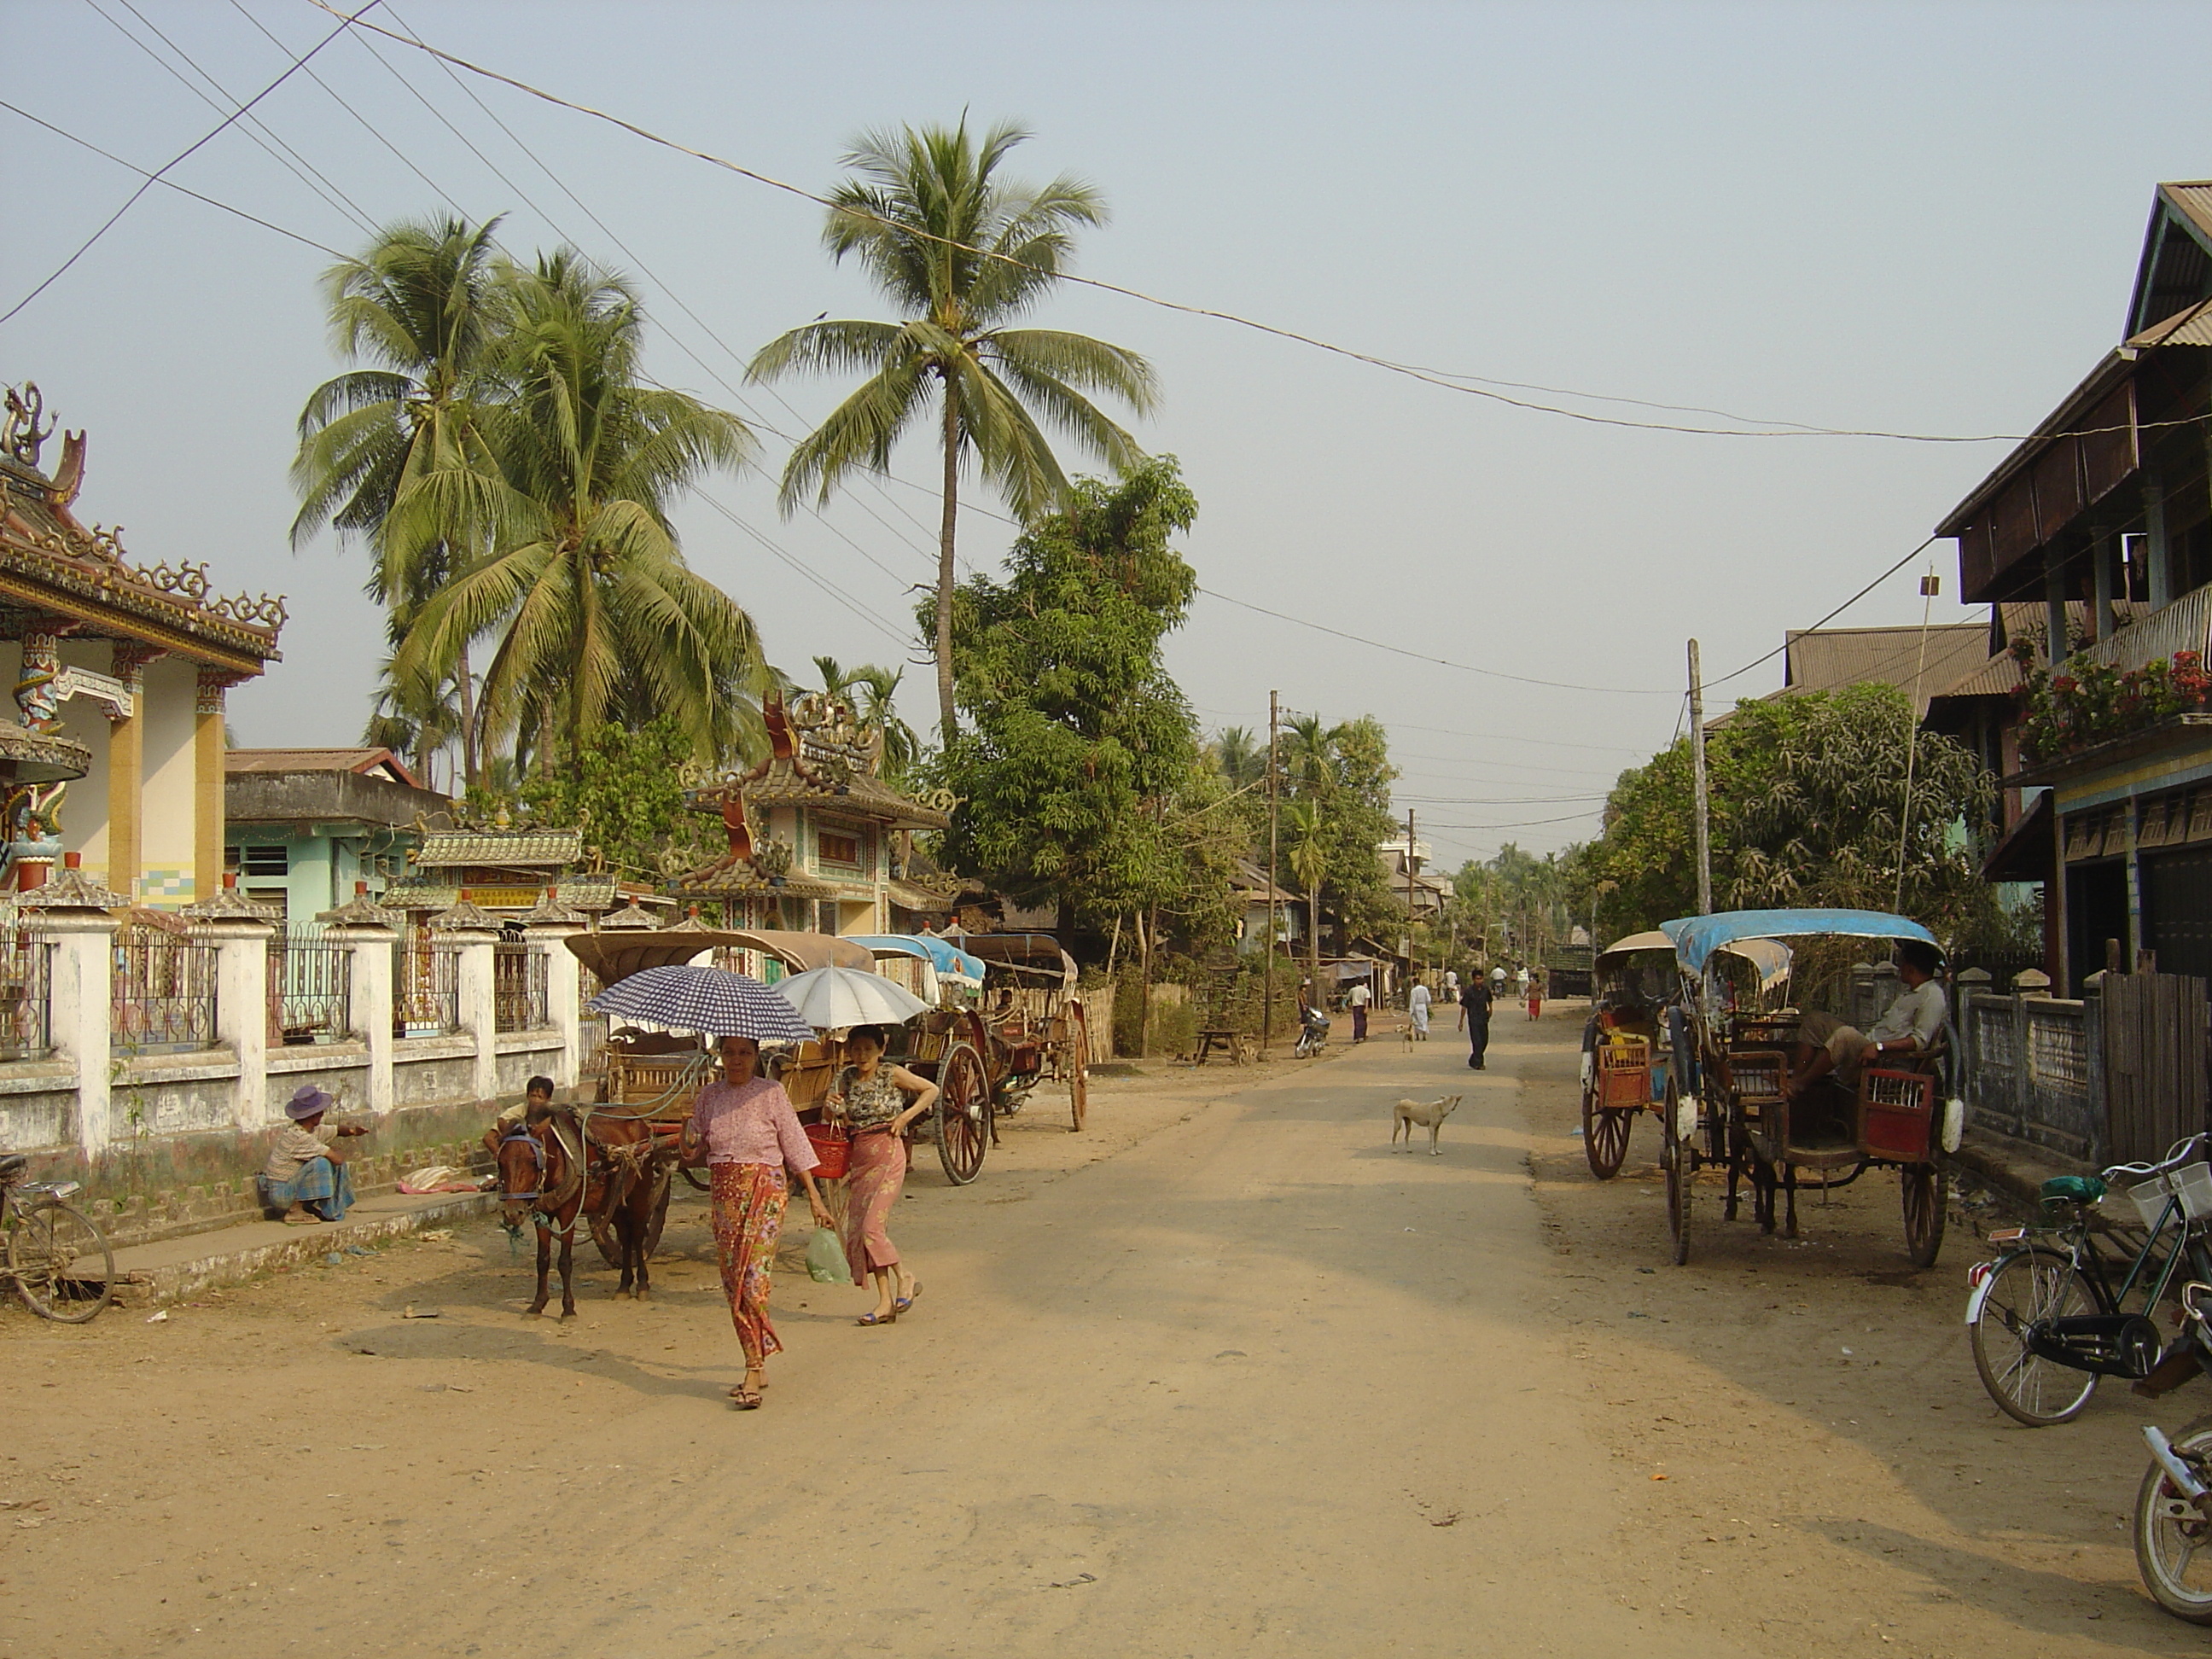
(825, 917)
(266, 860)
(836, 846)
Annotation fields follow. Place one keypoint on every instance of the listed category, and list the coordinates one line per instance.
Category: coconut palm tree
(596, 611)
(877, 686)
(1305, 848)
(921, 203)
(423, 307)
(1242, 758)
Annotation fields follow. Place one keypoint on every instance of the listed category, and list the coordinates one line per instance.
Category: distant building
(305, 824)
(131, 663)
(503, 869)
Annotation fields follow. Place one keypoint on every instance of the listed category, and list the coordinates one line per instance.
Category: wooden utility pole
(1268, 966)
(1410, 965)
(1697, 783)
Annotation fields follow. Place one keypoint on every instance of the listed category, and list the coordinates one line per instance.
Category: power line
(62, 132)
(1771, 430)
(1833, 615)
(107, 224)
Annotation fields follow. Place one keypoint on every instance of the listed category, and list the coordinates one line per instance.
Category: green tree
(423, 307)
(597, 613)
(1241, 758)
(920, 200)
(871, 689)
(624, 789)
(1305, 848)
(1078, 744)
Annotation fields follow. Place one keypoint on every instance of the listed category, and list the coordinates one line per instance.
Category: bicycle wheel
(62, 1264)
(2171, 1534)
(2025, 1288)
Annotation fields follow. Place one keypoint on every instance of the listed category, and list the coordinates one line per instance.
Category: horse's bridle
(537, 1150)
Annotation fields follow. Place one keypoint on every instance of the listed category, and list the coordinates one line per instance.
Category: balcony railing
(2185, 625)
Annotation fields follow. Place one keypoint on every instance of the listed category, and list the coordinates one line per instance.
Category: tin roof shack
(2110, 500)
(817, 842)
(305, 824)
(504, 870)
(125, 664)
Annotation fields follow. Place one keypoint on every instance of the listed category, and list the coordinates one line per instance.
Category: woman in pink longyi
(744, 1127)
(871, 1100)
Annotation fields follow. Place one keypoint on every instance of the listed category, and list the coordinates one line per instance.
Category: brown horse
(630, 1170)
(542, 1169)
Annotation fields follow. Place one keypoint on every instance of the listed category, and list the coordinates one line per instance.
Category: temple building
(817, 842)
(128, 663)
(503, 869)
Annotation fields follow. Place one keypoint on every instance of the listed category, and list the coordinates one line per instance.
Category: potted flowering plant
(2064, 714)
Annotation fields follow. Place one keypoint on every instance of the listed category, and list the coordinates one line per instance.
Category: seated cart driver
(1910, 1025)
(536, 1103)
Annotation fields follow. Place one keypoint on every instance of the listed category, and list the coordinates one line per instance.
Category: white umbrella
(829, 999)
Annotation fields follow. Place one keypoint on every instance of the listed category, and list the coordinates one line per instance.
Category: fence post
(240, 937)
(1861, 1008)
(368, 932)
(2093, 1042)
(477, 933)
(550, 929)
(73, 915)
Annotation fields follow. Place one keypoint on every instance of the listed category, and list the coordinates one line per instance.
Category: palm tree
(423, 306)
(877, 685)
(597, 614)
(921, 203)
(1242, 757)
(1306, 849)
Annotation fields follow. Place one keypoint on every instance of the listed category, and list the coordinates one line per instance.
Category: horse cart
(1728, 1103)
(1033, 1019)
(949, 1045)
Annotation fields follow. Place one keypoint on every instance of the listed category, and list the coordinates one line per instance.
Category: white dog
(1428, 1113)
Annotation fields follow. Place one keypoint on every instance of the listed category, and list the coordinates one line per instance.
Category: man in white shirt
(1451, 984)
(1358, 998)
(1910, 1025)
(1416, 1004)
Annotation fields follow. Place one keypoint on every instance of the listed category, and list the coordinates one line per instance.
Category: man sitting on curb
(537, 1103)
(305, 1175)
(1911, 1025)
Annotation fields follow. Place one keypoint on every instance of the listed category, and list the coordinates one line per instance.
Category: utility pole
(1411, 967)
(1698, 782)
(1268, 968)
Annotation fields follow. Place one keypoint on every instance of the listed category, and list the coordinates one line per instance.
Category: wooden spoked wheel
(1077, 1061)
(1605, 1134)
(1924, 1197)
(963, 1112)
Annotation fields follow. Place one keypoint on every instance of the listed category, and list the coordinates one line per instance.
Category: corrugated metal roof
(2190, 326)
(443, 849)
(2193, 198)
(318, 760)
(1829, 658)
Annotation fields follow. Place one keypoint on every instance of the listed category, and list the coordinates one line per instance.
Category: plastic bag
(825, 1258)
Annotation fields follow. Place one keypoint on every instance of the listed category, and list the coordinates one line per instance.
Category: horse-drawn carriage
(1033, 1017)
(1729, 1104)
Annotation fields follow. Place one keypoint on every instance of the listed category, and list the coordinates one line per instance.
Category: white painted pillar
(81, 975)
(369, 933)
(563, 986)
(241, 1010)
(479, 1011)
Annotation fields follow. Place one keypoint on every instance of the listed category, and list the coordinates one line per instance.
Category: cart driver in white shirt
(1910, 1025)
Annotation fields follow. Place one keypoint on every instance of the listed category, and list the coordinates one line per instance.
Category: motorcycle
(1313, 1033)
(2173, 1505)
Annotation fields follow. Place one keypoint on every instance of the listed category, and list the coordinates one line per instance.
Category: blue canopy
(950, 961)
(1696, 938)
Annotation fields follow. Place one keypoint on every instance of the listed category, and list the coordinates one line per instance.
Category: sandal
(900, 1305)
(890, 1318)
(747, 1400)
(304, 1221)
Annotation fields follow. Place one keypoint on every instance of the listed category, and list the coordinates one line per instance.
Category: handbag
(833, 1146)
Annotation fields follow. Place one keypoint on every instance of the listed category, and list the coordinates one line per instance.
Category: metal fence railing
(518, 988)
(310, 987)
(26, 975)
(162, 996)
(426, 986)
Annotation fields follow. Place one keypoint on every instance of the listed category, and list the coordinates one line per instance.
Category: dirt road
(1226, 1376)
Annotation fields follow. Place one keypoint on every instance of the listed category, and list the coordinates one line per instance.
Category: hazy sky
(1921, 217)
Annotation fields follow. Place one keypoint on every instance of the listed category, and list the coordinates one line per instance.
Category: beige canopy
(613, 957)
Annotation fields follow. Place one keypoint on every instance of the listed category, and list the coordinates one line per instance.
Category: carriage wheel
(700, 1180)
(1925, 1206)
(1077, 1065)
(1605, 1134)
(603, 1235)
(1678, 1158)
(963, 1113)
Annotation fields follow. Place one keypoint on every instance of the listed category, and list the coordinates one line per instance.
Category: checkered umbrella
(711, 1001)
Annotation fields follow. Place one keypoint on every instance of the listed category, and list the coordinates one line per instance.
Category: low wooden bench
(1223, 1036)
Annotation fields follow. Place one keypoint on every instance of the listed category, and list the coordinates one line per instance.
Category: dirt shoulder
(1820, 1460)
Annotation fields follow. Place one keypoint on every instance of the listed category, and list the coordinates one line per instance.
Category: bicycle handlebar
(2180, 1153)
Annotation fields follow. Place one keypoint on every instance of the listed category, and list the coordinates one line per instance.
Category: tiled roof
(318, 760)
(780, 782)
(445, 848)
(420, 893)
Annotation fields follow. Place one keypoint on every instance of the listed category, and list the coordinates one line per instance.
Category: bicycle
(2045, 1320)
(53, 1249)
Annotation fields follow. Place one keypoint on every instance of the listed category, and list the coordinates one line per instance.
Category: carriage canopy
(951, 963)
(1696, 937)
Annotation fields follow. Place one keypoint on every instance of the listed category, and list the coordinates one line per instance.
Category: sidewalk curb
(157, 1282)
(2009, 1166)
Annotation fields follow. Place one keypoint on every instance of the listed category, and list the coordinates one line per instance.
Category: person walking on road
(744, 1127)
(1451, 984)
(1535, 999)
(871, 1099)
(1497, 982)
(1357, 998)
(1416, 1004)
(1474, 1019)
